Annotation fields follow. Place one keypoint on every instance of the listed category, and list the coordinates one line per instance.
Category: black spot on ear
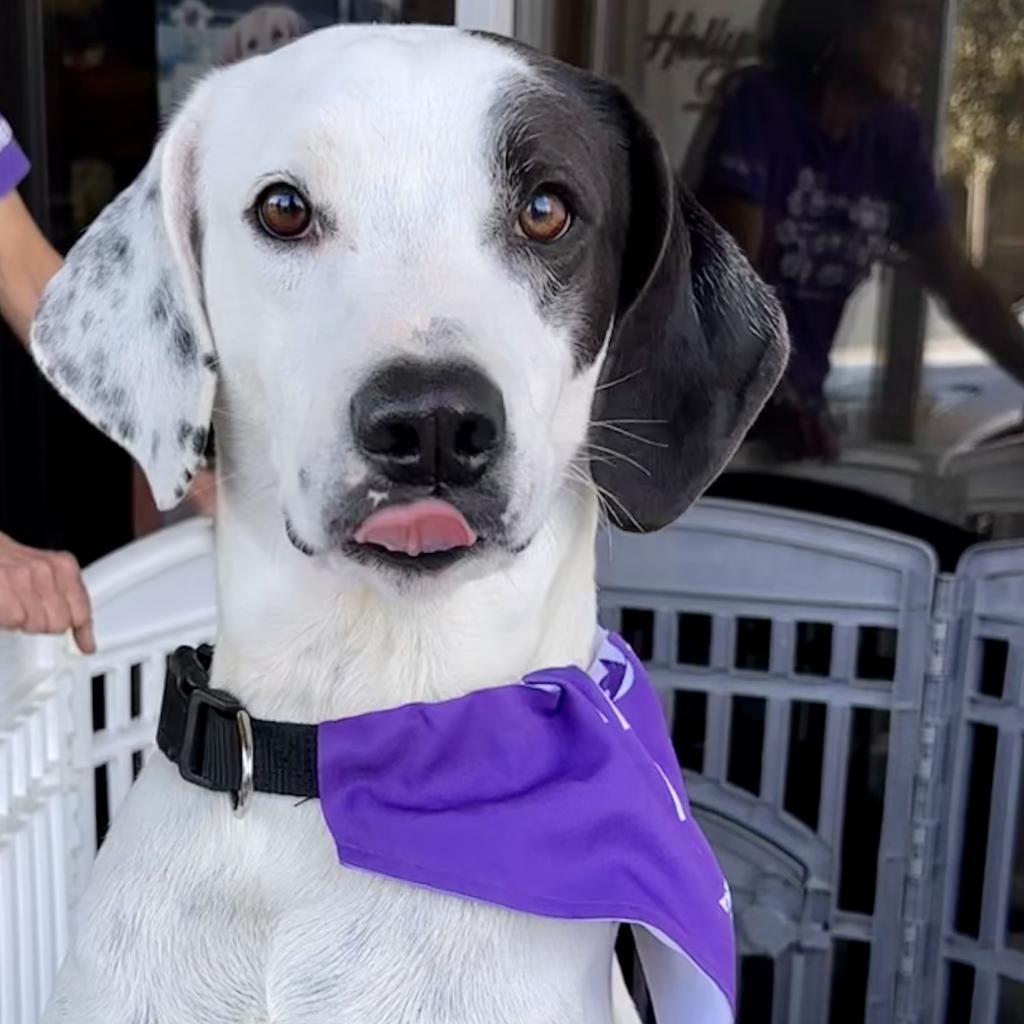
(211, 362)
(101, 274)
(128, 429)
(184, 432)
(199, 440)
(154, 446)
(68, 373)
(184, 344)
(160, 303)
(121, 250)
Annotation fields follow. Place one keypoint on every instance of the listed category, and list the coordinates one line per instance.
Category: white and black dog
(395, 268)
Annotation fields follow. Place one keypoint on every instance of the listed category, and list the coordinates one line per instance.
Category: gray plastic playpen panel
(751, 572)
(981, 877)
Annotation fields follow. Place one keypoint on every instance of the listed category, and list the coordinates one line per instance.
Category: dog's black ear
(121, 330)
(698, 347)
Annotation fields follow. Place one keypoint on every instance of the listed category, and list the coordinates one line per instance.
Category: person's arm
(742, 218)
(971, 299)
(27, 262)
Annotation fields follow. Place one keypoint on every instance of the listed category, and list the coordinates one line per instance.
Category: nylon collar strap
(204, 731)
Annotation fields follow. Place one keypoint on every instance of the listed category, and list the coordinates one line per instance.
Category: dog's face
(430, 278)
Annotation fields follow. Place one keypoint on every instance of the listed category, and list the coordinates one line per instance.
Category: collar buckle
(217, 731)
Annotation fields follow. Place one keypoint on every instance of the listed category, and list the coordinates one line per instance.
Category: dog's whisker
(633, 422)
(612, 454)
(618, 380)
(606, 494)
(629, 434)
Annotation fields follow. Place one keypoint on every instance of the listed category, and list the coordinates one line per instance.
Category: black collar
(209, 735)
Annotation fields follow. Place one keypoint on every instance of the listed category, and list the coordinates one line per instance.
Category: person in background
(819, 166)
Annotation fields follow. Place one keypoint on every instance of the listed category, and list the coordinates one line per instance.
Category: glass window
(685, 62)
(193, 37)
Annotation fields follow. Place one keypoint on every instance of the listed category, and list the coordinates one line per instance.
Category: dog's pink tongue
(420, 528)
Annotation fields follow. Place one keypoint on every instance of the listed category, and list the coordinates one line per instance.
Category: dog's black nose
(428, 424)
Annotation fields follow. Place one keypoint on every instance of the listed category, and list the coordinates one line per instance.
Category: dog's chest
(257, 921)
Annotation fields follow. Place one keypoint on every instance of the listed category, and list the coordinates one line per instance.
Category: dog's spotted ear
(699, 345)
(121, 330)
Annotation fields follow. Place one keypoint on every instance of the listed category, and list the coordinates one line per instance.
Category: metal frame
(486, 15)
(904, 307)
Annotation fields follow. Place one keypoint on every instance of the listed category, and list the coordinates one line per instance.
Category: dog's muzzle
(429, 425)
(434, 438)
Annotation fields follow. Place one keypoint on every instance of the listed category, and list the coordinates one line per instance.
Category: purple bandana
(559, 796)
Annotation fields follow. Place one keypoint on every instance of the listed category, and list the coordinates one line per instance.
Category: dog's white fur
(194, 915)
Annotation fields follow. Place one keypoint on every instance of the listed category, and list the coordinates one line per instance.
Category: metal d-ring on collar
(247, 787)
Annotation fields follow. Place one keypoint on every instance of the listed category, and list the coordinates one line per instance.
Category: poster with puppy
(195, 35)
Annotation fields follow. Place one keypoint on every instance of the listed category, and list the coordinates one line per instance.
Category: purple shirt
(831, 208)
(13, 162)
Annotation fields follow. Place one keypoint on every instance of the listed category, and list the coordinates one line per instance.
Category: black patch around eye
(184, 344)
(564, 139)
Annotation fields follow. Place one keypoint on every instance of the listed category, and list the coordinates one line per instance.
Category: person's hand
(797, 428)
(43, 592)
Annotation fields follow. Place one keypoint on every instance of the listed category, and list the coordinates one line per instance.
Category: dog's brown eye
(283, 212)
(544, 218)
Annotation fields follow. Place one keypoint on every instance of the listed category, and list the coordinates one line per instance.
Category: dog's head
(432, 280)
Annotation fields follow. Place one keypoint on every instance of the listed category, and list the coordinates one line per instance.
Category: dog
(262, 30)
(427, 280)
